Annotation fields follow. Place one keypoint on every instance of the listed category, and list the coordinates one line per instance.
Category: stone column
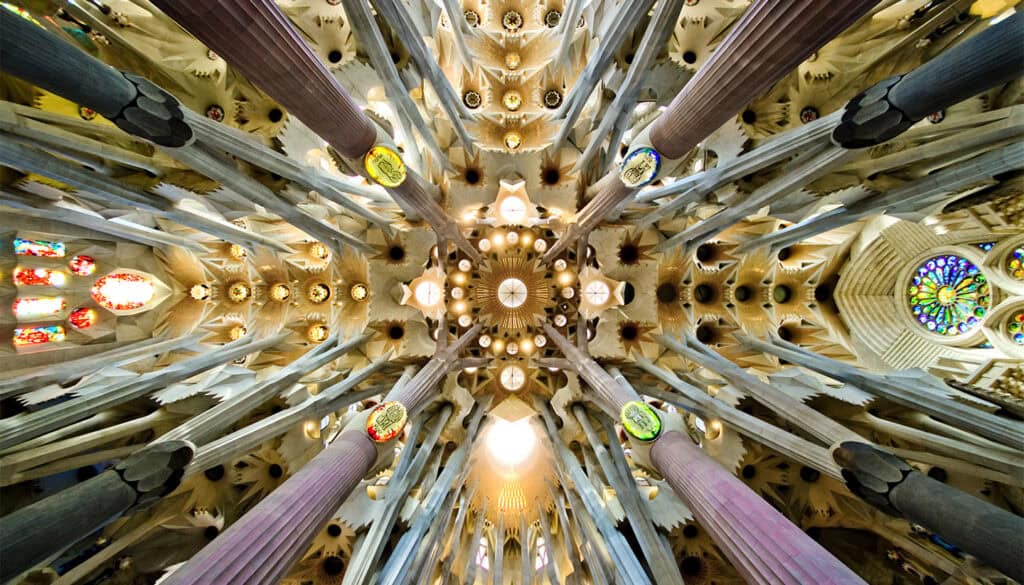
(258, 39)
(990, 533)
(132, 103)
(263, 544)
(772, 38)
(763, 545)
(42, 530)
(613, 396)
(992, 57)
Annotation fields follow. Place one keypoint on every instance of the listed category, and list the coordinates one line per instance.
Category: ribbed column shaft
(990, 58)
(763, 545)
(263, 544)
(771, 38)
(993, 534)
(28, 535)
(259, 40)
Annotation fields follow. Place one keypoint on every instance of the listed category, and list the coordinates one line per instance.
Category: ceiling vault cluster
(511, 292)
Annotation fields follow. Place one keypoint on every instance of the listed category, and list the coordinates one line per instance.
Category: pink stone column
(256, 38)
(262, 545)
(763, 545)
(769, 41)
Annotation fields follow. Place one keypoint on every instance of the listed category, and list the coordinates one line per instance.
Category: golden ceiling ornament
(385, 166)
(237, 332)
(199, 292)
(386, 421)
(318, 292)
(280, 292)
(359, 292)
(633, 335)
(513, 60)
(512, 292)
(318, 333)
(512, 100)
(513, 140)
(319, 251)
(237, 252)
(239, 291)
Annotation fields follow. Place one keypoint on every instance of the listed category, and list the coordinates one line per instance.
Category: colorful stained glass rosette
(949, 295)
(386, 421)
(1015, 264)
(38, 335)
(83, 318)
(38, 277)
(26, 308)
(640, 420)
(1015, 327)
(82, 265)
(42, 248)
(123, 291)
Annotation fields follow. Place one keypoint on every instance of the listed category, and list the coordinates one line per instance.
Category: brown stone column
(256, 38)
(763, 545)
(772, 38)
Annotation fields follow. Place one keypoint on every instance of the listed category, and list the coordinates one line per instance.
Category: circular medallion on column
(640, 421)
(384, 166)
(640, 167)
(386, 421)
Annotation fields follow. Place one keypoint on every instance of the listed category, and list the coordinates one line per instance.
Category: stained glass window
(38, 335)
(123, 291)
(38, 277)
(23, 247)
(949, 295)
(26, 308)
(1016, 327)
(986, 246)
(82, 265)
(82, 318)
(1015, 265)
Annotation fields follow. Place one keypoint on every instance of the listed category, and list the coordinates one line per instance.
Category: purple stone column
(262, 545)
(763, 545)
(769, 41)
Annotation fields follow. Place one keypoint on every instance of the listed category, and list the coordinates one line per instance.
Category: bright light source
(512, 210)
(512, 293)
(428, 293)
(511, 443)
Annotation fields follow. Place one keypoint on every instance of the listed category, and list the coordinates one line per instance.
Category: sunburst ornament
(426, 293)
(512, 292)
(598, 293)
